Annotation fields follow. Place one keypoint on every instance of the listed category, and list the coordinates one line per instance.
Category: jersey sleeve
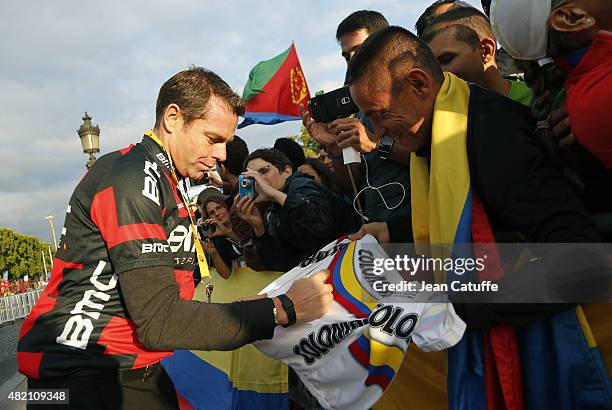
(438, 328)
(128, 214)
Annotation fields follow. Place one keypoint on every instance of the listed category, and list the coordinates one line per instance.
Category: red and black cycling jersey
(126, 213)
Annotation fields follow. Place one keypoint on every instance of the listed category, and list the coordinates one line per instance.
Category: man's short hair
(191, 90)
(369, 20)
(392, 47)
(271, 155)
(471, 26)
(292, 150)
(429, 15)
(237, 152)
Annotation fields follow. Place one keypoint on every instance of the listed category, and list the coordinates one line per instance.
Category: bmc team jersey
(126, 213)
(347, 358)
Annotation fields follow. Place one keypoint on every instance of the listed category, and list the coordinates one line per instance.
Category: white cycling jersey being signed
(348, 357)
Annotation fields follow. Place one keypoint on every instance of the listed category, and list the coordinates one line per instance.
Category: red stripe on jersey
(336, 295)
(359, 354)
(179, 202)
(47, 299)
(185, 280)
(380, 380)
(127, 149)
(29, 363)
(120, 337)
(104, 215)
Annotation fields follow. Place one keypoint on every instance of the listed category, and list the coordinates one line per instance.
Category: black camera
(205, 230)
(332, 105)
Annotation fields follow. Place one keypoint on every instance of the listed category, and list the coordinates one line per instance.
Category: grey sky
(62, 57)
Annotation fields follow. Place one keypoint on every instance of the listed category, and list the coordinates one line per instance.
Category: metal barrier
(17, 306)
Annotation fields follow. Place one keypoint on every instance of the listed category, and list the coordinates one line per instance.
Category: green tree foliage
(309, 145)
(21, 254)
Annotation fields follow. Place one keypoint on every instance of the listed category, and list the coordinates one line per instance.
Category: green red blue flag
(275, 90)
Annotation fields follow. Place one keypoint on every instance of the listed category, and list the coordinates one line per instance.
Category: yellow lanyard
(199, 251)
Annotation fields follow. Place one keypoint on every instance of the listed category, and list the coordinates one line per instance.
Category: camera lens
(246, 183)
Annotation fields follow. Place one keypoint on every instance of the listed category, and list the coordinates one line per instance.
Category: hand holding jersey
(311, 296)
(349, 356)
(378, 230)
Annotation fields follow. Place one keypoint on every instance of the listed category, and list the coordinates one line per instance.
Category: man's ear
(419, 81)
(288, 170)
(488, 50)
(570, 19)
(172, 118)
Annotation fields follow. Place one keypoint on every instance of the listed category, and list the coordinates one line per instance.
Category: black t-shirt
(380, 172)
(126, 213)
(227, 250)
(377, 172)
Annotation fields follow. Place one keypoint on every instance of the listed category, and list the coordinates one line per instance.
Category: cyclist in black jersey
(119, 298)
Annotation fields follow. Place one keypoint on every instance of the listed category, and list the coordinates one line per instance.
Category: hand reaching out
(220, 229)
(319, 131)
(265, 191)
(246, 210)
(352, 133)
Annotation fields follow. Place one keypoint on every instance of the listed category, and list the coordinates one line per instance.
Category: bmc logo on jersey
(79, 326)
(181, 237)
(150, 189)
(154, 247)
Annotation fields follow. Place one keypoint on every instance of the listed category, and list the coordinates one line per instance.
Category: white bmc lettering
(150, 182)
(181, 236)
(154, 247)
(163, 159)
(79, 327)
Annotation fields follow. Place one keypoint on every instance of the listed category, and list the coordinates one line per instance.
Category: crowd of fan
(304, 203)
(14, 287)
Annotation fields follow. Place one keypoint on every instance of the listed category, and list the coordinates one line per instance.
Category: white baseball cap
(521, 27)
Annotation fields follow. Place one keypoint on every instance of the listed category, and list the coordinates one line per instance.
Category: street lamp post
(44, 264)
(50, 219)
(90, 139)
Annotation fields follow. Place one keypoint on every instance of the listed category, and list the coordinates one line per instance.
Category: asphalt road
(8, 366)
(8, 350)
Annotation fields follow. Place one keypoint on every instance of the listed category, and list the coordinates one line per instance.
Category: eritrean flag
(275, 90)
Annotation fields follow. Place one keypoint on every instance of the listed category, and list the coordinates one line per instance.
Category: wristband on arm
(289, 308)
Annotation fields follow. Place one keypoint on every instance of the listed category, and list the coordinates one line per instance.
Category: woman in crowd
(220, 241)
(321, 173)
(302, 215)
